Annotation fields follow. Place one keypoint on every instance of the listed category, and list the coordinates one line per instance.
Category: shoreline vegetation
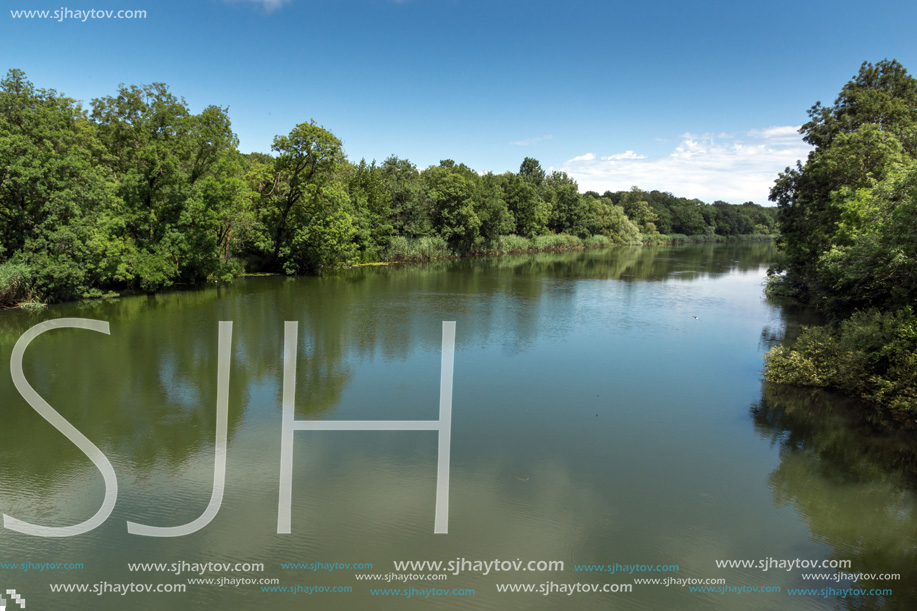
(420, 250)
(139, 193)
(848, 227)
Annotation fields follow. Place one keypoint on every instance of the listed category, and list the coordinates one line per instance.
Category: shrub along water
(872, 355)
(15, 284)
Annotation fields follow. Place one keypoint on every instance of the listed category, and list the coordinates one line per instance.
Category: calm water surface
(595, 421)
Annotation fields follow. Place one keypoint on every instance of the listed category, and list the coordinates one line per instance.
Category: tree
(57, 203)
(642, 215)
(170, 165)
(531, 172)
(569, 214)
(609, 220)
(874, 260)
(848, 218)
(324, 233)
(372, 208)
(496, 219)
(884, 95)
(452, 191)
(409, 215)
(869, 131)
(529, 210)
(302, 196)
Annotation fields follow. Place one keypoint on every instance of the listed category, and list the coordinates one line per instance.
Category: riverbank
(15, 291)
(404, 250)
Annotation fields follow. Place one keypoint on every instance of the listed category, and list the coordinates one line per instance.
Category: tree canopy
(848, 223)
(863, 144)
(141, 192)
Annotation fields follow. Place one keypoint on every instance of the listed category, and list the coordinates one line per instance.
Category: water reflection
(849, 470)
(596, 421)
(851, 474)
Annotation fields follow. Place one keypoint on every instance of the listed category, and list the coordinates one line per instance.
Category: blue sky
(698, 98)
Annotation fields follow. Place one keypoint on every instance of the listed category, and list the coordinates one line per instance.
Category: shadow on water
(850, 472)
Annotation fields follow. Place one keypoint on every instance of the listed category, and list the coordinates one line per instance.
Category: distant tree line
(658, 212)
(848, 224)
(139, 192)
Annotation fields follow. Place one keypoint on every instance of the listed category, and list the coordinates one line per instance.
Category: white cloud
(701, 165)
(781, 132)
(706, 136)
(531, 141)
(269, 6)
(624, 155)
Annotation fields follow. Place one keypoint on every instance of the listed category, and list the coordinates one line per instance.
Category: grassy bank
(680, 238)
(433, 248)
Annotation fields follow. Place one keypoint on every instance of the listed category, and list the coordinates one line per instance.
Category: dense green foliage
(664, 213)
(848, 222)
(872, 354)
(141, 193)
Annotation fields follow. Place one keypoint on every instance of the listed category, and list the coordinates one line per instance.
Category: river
(607, 409)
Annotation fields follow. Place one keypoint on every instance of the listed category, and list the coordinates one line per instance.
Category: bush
(556, 242)
(597, 241)
(227, 271)
(418, 249)
(778, 285)
(872, 354)
(512, 244)
(15, 284)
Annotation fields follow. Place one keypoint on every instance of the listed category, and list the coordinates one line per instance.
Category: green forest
(848, 224)
(137, 192)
